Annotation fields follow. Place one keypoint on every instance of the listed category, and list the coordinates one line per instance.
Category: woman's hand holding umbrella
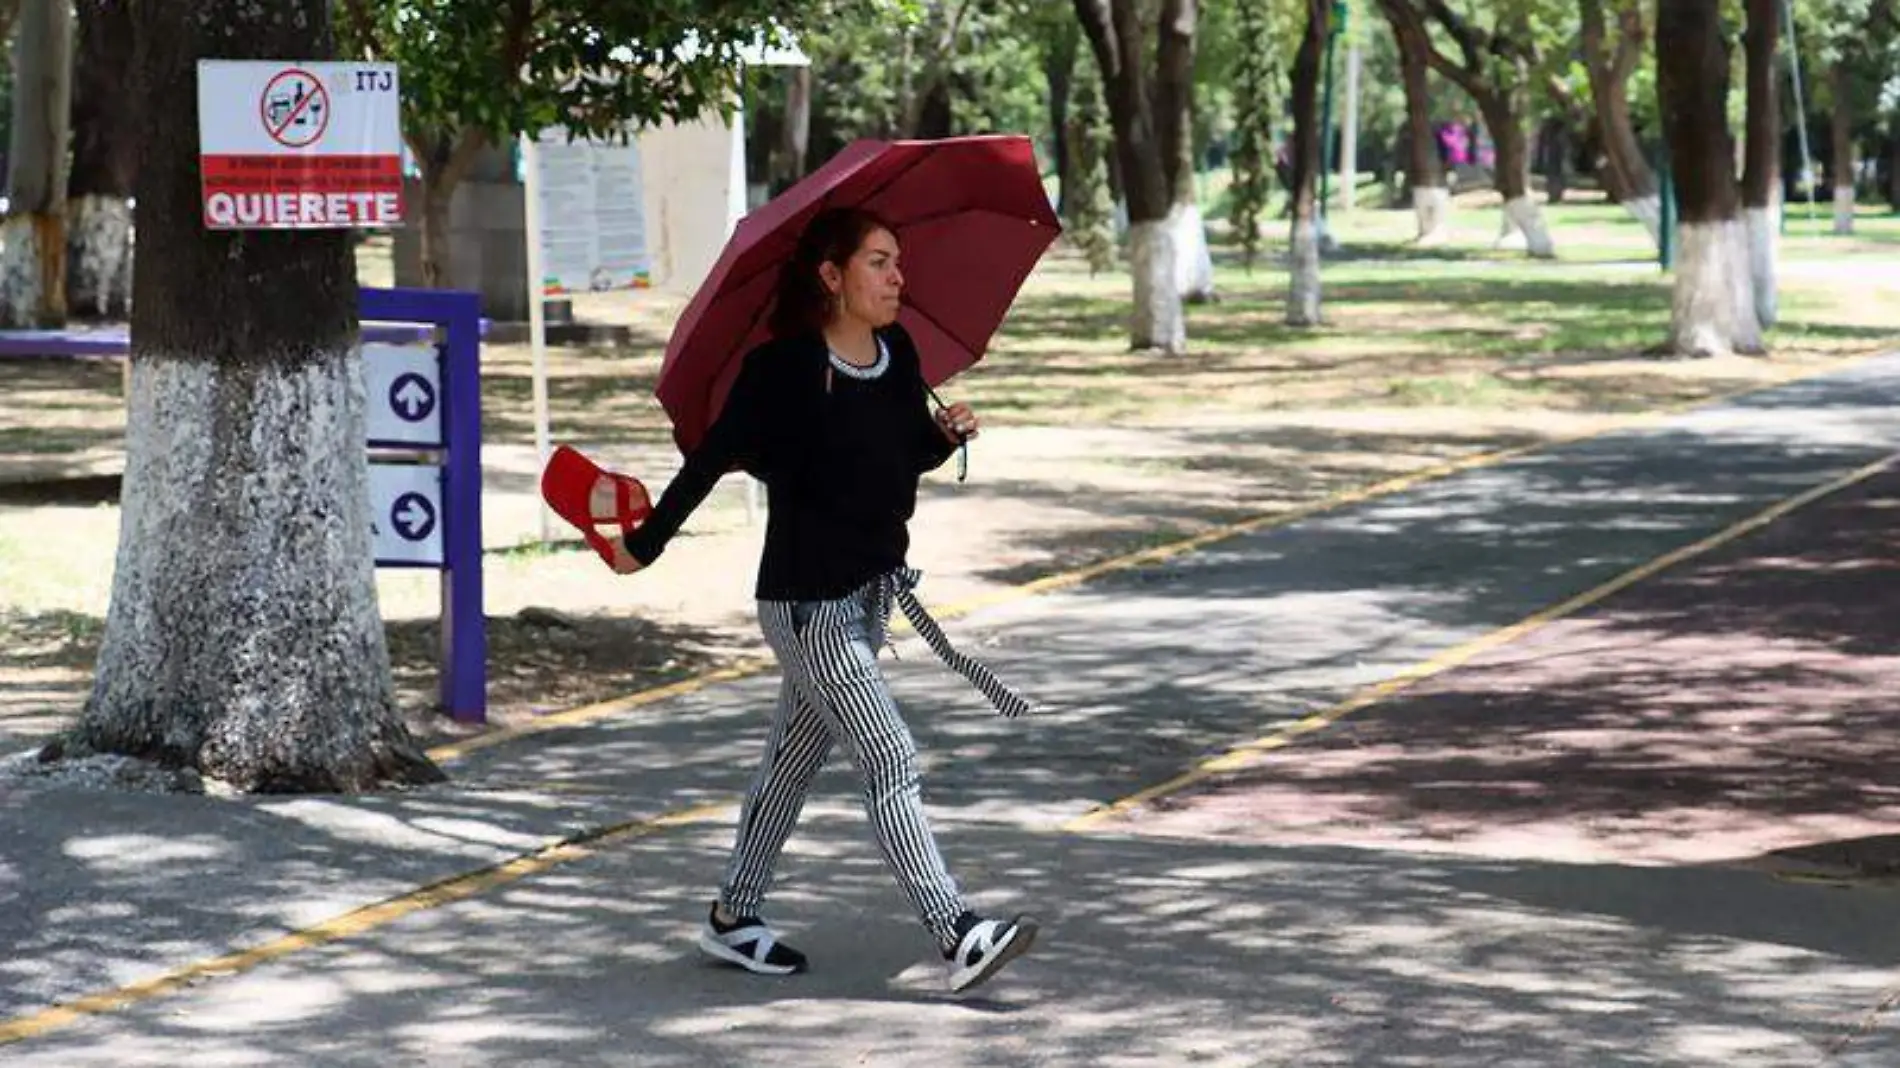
(958, 423)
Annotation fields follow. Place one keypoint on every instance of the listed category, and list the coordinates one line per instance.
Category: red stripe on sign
(301, 174)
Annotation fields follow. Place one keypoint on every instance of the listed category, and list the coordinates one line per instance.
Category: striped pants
(833, 689)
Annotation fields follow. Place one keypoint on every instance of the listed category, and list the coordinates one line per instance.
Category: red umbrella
(971, 216)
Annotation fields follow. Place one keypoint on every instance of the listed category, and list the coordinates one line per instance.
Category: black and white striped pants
(833, 689)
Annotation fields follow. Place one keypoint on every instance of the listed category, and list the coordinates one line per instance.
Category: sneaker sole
(1017, 946)
(720, 951)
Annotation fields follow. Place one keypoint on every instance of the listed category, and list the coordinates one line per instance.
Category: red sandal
(568, 486)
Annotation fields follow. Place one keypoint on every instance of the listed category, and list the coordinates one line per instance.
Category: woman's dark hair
(832, 236)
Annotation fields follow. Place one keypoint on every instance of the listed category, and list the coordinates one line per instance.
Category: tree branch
(1099, 25)
(1468, 78)
(1631, 42)
(514, 36)
(1470, 42)
(934, 66)
(365, 28)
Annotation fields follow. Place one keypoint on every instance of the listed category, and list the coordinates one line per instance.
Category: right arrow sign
(405, 510)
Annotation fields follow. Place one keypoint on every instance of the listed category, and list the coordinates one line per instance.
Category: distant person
(833, 415)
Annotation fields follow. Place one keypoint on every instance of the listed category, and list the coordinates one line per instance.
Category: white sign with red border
(299, 146)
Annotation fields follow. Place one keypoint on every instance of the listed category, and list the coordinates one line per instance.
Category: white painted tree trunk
(1193, 262)
(1522, 217)
(243, 606)
(1648, 211)
(1764, 229)
(1713, 312)
(22, 275)
(1159, 322)
(1432, 205)
(1303, 293)
(99, 256)
(32, 264)
(1843, 209)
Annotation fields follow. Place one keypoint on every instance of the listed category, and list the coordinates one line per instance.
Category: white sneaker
(985, 947)
(751, 945)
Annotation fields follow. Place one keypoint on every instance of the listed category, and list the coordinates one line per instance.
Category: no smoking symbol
(295, 108)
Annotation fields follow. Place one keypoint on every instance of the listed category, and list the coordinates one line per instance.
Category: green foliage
(1862, 34)
(1091, 221)
(591, 66)
(874, 67)
(1253, 126)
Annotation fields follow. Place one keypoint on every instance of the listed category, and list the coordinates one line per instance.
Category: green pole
(1326, 111)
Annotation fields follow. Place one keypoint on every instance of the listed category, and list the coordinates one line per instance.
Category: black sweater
(840, 458)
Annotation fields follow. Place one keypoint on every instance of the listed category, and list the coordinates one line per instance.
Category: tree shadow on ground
(1155, 951)
(1727, 711)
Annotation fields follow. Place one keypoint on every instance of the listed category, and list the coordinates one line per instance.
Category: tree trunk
(1303, 288)
(1553, 145)
(1521, 213)
(1608, 65)
(104, 162)
(1116, 32)
(1712, 313)
(243, 637)
(1174, 114)
(1424, 173)
(437, 255)
(1761, 173)
(33, 236)
(1893, 163)
(795, 130)
(1841, 159)
(935, 120)
(444, 157)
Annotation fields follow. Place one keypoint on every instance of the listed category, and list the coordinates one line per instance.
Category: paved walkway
(1159, 950)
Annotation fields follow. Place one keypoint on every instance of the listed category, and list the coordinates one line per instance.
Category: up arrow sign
(412, 397)
(404, 384)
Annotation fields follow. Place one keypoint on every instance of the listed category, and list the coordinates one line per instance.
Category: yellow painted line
(348, 925)
(1240, 756)
(585, 714)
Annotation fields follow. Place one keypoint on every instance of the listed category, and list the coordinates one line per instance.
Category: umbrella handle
(963, 442)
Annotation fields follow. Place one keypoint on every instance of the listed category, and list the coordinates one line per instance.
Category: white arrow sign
(404, 383)
(405, 513)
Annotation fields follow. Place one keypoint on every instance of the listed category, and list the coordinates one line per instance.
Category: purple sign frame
(464, 662)
(400, 316)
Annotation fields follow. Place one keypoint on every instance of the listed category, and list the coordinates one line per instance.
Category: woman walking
(833, 415)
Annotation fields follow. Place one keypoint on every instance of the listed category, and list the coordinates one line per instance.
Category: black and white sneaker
(750, 944)
(984, 946)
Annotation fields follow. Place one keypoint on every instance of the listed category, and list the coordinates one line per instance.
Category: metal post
(464, 629)
(1666, 226)
(1800, 105)
(1349, 131)
(1326, 117)
(537, 319)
